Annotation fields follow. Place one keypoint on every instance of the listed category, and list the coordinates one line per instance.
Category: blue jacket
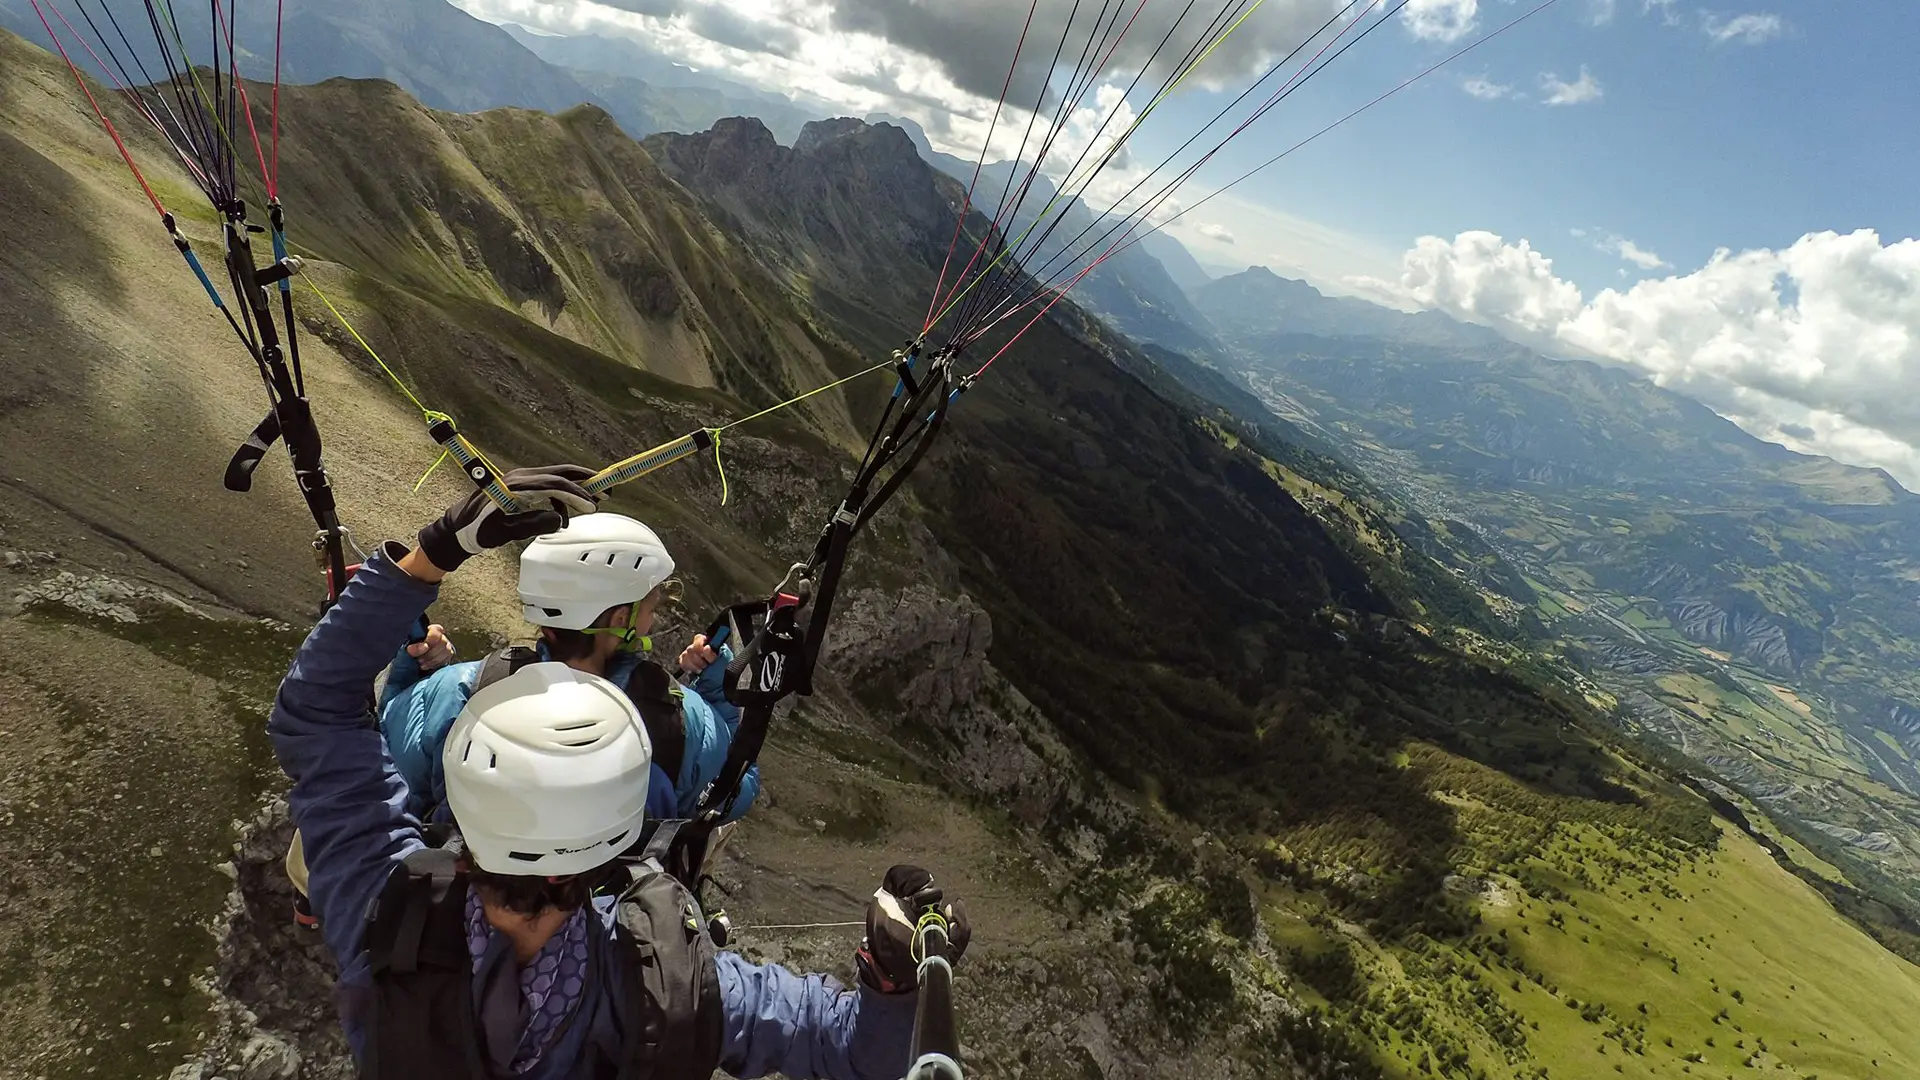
(350, 805)
(417, 711)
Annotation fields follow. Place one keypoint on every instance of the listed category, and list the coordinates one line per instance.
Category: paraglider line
(978, 163)
(259, 153)
(81, 81)
(273, 182)
(1111, 113)
(1537, 9)
(984, 312)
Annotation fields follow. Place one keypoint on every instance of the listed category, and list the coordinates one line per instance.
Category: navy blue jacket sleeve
(347, 799)
(809, 1027)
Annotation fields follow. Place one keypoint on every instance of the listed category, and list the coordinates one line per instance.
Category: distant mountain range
(1258, 301)
(1705, 576)
(675, 96)
(454, 61)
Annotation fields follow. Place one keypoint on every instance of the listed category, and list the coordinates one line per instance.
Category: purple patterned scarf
(551, 985)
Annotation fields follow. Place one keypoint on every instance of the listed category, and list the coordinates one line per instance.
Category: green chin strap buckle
(630, 640)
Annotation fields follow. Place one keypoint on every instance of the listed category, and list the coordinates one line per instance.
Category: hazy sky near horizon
(1718, 195)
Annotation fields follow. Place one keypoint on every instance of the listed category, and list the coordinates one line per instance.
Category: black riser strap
(252, 452)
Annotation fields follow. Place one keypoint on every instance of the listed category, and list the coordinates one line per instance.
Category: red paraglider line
(81, 81)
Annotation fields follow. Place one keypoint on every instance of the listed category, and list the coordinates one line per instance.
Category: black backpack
(423, 1018)
(652, 690)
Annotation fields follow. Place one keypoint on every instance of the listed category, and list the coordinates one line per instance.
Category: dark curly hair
(529, 895)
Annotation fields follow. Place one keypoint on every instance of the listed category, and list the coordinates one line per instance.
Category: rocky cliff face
(820, 207)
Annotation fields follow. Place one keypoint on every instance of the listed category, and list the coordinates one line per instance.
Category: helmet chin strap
(630, 640)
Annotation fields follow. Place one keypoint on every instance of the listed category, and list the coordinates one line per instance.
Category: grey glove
(550, 494)
(889, 961)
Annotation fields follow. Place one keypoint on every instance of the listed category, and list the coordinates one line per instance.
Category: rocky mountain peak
(820, 132)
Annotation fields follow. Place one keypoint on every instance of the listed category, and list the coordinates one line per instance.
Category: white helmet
(546, 772)
(599, 561)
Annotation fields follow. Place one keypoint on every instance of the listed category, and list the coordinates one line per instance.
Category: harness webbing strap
(404, 955)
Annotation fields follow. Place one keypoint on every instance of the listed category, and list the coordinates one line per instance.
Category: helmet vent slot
(612, 555)
(585, 555)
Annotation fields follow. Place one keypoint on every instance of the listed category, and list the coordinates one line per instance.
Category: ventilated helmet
(546, 772)
(599, 561)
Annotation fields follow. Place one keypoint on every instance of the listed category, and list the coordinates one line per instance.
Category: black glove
(550, 493)
(889, 960)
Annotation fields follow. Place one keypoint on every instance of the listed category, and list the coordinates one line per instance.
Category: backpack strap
(501, 663)
(416, 940)
(657, 697)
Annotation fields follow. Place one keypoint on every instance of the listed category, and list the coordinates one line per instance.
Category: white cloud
(1752, 28)
(964, 46)
(1816, 345)
(1600, 12)
(1622, 248)
(1638, 256)
(1561, 92)
(1665, 8)
(1485, 89)
(1481, 276)
(1440, 20)
(1216, 232)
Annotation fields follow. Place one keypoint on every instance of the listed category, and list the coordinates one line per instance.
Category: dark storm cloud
(973, 40)
(724, 26)
(659, 9)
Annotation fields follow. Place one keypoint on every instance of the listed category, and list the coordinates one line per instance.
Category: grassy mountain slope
(1100, 665)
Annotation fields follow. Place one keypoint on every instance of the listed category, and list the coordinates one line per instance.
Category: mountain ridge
(1259, 301)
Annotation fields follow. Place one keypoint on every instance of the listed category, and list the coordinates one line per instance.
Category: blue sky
(1693, 144)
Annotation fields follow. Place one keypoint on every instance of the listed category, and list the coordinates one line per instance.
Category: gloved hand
(550, 493)
(888, 960)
